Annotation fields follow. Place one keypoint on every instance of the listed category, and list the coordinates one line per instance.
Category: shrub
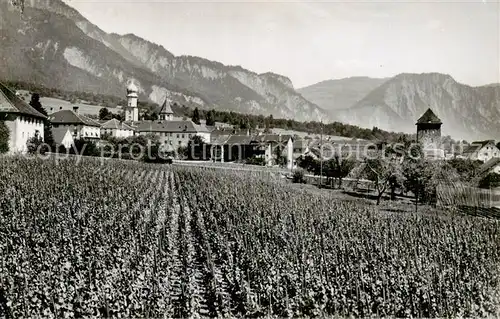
(36, 145)
(492, 180)
(4, 137)
(254, 160)
(298, 177)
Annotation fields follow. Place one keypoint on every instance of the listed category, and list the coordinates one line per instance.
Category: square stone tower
(429, 134)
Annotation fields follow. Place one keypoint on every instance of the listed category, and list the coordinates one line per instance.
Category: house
(63, 136)
(491, 166)
(175, 133)
(80, 125)
(117, 129)
(234, 147)
(429, 134)
(22, 120)
(237, 147)
(482, 151)
(274, 144)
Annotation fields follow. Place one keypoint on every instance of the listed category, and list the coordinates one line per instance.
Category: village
(222, 142)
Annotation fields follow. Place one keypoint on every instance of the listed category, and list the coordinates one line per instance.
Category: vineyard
(123, 239)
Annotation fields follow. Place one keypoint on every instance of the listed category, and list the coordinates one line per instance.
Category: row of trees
(404, 169)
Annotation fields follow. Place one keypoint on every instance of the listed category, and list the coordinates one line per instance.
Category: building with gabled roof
(491, 166)
(63, 136)
(117, 129)
(176, 133)
(429, 134)
(80, 125)
(22, 120)
(481, 151)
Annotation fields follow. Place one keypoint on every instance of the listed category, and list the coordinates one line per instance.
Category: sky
(312, 41)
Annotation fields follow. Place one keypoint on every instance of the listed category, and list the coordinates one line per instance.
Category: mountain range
(396, 103)
(52, 44)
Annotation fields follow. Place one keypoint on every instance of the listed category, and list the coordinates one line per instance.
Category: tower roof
(165, 108)
(132, 88)
(429, 118)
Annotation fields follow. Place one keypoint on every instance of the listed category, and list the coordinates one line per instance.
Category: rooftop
(71, 117)
(170, 126)
(165, 108)
(11, 103)
(114, 124)
(486, 167)
(429, 118)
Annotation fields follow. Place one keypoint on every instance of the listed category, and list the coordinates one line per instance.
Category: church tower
(131, 110)
(429, 134)
(166, 113)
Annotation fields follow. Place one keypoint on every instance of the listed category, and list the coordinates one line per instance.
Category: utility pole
(321, 156)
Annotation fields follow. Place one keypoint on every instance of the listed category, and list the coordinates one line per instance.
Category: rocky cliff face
(229, 87)
(84, 57)
(46, 47)
(466, 112)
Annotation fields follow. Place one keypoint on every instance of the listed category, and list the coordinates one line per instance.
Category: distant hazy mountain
(467, 112)
(332, 95)
(52, 44)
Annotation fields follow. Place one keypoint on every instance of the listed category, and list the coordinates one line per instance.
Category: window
(179, 142)
(177, 135)
(182, 135)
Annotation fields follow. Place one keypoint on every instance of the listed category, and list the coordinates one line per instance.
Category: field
(124, 239)
(52, 105)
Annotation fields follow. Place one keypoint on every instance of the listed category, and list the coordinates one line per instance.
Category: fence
(461, 195)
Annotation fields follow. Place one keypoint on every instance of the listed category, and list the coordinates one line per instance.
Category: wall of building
(496, 169)
(429, 137)
(118, 133)
(82, 131)
(487, 152)
(22, 128)
(177, 139)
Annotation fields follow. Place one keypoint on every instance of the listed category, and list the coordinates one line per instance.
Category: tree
(385, 172)
(210, 118)
(47, 125)
(196, 116)
(491, 180)
(280, 158)
(196, 148)
(105, 114)
(342, 167)
(35, 145)
(466, 168)
(4, 138)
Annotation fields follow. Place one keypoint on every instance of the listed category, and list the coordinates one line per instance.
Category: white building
(117, 129)
(22, 120)
(131, 110)
(80, 125)
(175, 133)
(482, 151)
(63, 136)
